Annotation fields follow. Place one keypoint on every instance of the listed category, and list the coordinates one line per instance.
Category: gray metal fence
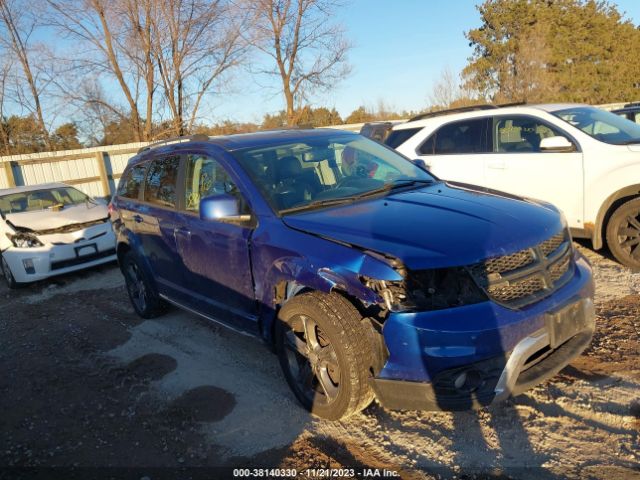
(95, 171)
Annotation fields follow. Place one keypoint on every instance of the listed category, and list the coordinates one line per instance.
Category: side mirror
(556, 144)
(420, 163)
(221, 208)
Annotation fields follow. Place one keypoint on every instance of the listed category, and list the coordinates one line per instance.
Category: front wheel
(623, 233)
(325, 354)
(8, 276)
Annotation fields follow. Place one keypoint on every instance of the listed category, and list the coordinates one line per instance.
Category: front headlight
(24, 240)
(433, 289)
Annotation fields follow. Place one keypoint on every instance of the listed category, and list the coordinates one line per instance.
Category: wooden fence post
(8, 170)
(102, 169)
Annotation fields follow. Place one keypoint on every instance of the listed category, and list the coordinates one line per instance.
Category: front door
(215, 254)
(518, 165)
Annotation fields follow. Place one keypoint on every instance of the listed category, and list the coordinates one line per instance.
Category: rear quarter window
(398, 137)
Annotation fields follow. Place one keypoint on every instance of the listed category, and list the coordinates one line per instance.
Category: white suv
(583, 159)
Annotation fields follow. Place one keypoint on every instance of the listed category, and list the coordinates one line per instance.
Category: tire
(326, 354)
(142, 292)
(623, 233)
(8, 275)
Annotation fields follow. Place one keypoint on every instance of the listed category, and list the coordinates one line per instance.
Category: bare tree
(5, 68)
(139, 49)
(196, 42)
(310, 53)
(445, 90)
(111, 32)
(15, 34)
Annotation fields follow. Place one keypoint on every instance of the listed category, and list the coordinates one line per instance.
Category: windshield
(329, 170)
(33, 200)
(601, 125)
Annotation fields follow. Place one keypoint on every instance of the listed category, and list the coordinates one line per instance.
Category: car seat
(291, 186)
(444, 144)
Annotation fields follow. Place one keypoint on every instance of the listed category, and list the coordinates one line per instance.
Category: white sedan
(51, 229)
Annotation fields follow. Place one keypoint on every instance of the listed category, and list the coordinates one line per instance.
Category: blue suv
(370, 277)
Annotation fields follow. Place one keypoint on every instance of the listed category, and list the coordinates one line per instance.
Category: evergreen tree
(553, 50)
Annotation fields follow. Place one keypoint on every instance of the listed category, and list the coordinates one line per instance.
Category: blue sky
(400, 49)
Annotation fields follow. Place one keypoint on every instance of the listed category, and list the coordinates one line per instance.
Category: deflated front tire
(325, 354)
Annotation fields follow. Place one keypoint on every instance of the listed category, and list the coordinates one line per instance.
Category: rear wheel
(325, 354)
(142, 293)
(8, 276)
(623, 233)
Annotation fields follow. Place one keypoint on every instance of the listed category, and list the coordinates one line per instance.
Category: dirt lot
(85, 383)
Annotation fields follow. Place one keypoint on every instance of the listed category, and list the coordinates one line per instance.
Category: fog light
(468, 381)
(460, 380)
(27, 263)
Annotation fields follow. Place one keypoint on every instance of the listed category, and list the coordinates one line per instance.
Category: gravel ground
(87, 385)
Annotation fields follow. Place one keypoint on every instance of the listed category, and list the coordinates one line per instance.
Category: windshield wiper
(336, 201)
(630, 142)
(393, 186)
(317, 203)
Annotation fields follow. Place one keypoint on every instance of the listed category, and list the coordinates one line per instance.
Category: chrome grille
(549, 246)
(559, 268)
(514, 290)
(528, 275)
(509, 262)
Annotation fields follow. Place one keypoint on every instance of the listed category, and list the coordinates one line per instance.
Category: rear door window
(160, 185)
(466, 136)
(131, 182)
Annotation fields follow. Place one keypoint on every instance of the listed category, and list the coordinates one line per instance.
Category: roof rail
(198, 137)
(472, 108)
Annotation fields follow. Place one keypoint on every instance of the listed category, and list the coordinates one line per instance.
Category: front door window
(520, 134)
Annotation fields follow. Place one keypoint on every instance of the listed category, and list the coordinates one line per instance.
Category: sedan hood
(44, 220)
(436, 226)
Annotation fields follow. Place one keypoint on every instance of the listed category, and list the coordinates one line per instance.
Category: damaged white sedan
(51, 229)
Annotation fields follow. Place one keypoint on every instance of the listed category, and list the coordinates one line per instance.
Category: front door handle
(137, 218)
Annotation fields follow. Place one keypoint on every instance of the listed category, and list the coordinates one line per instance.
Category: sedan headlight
(24, 240)
(433, 289)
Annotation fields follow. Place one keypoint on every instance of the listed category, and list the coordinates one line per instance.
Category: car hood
(436, 226)
(43, 220)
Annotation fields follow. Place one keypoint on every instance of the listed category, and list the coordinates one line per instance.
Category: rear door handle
(182, 230)
(137, 218)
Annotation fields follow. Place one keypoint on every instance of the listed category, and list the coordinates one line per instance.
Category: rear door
(518, 165)
(457, 150)
(155, 223)
(215, 254)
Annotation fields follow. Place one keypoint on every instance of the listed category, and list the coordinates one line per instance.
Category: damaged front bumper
(92, 246)
(436, 362)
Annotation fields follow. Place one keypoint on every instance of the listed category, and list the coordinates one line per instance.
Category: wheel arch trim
(605, 210)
